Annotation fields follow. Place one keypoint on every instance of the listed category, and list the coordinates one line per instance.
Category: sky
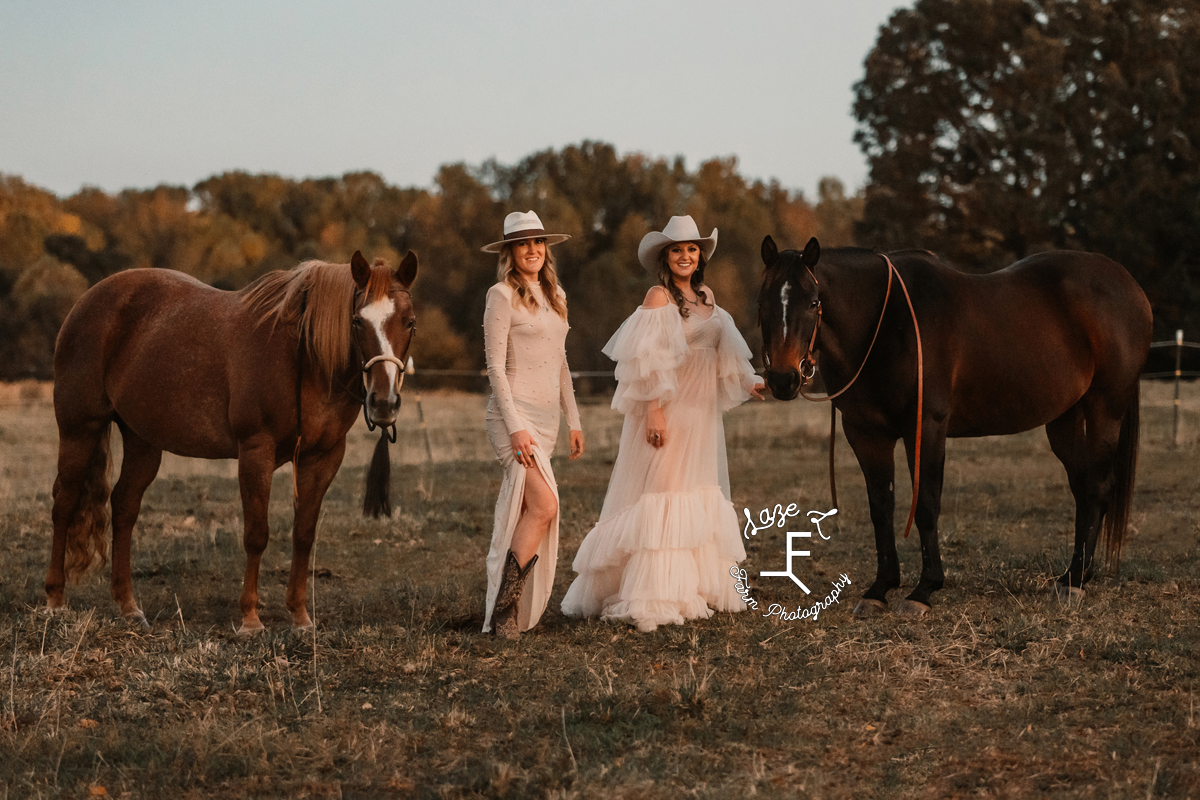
(134, 94)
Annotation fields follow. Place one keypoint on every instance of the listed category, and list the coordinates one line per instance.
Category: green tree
(999, 128)
(836, 213)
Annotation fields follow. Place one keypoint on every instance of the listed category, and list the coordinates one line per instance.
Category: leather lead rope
(809, 359)
(832, 439)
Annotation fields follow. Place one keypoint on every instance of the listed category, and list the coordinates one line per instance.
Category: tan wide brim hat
(523, 225)
(679, 229)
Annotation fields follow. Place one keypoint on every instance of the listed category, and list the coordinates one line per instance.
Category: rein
(808, 369)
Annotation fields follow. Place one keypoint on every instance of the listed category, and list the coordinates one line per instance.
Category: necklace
(693, 302)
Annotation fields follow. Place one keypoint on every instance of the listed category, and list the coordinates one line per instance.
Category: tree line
(994, 129)
(230, 228)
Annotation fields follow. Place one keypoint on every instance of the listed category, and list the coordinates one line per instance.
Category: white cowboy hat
(523, 225)
(679, 229)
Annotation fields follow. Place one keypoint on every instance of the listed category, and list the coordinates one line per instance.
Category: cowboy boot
(508, 598)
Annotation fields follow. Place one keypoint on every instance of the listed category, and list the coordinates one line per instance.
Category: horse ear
(406, 273)
(812, 252)
(360, 269)
(769, 251)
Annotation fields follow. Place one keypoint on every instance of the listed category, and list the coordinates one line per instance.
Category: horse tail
(1116, 521)
(87, 542)
(377, 501)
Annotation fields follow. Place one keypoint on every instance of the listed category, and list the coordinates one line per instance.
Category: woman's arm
(648, 348)
(656, 420)
(736, 379)
(567, 396)
(497, 320)
(751, 383)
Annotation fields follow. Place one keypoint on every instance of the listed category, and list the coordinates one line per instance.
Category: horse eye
(814, 303)
(412, 324)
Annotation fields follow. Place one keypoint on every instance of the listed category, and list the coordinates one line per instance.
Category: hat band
(528, 233)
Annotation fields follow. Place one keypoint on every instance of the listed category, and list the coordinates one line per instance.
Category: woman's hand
(522, 446)
(656, 427)
(576, 444)
(756, 392)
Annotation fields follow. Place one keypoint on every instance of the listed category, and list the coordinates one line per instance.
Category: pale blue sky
(132, 94)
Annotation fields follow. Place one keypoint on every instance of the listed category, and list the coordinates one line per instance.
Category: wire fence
(1178, 374)
(1176, 360)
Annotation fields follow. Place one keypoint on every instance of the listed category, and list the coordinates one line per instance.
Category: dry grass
(1001, 691)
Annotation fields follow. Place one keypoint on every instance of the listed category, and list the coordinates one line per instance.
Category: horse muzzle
(784, 384)
(381, 408)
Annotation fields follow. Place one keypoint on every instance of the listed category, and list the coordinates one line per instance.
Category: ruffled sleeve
(648, 348)
(735, 373)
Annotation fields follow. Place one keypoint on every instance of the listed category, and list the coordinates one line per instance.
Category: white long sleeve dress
(527, 367)
(668, 532)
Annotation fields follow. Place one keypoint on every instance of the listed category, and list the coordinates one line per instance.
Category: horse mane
(318, 298)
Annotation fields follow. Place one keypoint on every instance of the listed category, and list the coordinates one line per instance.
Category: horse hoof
(1072, 594)
(911, 608)
(137, 619)
(251, 629)
(870, 608)
(304, 628)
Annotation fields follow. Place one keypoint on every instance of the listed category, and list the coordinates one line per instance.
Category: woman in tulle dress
(668, 534)
(524, 330)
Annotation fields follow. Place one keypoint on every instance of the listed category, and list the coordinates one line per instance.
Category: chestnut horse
(271, 374)
(1057, 339)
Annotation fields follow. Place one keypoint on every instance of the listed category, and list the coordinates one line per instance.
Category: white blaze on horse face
(783, 298)
(378, 314)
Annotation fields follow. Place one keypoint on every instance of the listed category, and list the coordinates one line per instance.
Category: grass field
(1001, 691)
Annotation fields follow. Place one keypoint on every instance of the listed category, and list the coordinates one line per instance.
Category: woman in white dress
(668, 533)
(525, 329)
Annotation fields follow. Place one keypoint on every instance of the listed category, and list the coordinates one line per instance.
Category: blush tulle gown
(668, 533)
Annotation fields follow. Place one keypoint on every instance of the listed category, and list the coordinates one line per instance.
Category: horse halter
(390, 430)
(809, 359)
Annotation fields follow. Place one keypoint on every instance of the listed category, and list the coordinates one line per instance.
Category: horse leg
(139, 466)
(1068, 443)
(256, 464)
(929, 509)
(876, 455)
(80, 495)
(314, 474)
(1103, 430)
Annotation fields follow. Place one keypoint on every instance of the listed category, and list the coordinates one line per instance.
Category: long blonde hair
(506, 271)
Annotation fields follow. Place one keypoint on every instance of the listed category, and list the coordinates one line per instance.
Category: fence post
(1178, 374)
(411, 370)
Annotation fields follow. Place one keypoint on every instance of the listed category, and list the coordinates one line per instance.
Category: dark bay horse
(1057, 339)
(271, 374)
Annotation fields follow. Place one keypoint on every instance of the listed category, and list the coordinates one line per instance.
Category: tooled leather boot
(508, 598)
